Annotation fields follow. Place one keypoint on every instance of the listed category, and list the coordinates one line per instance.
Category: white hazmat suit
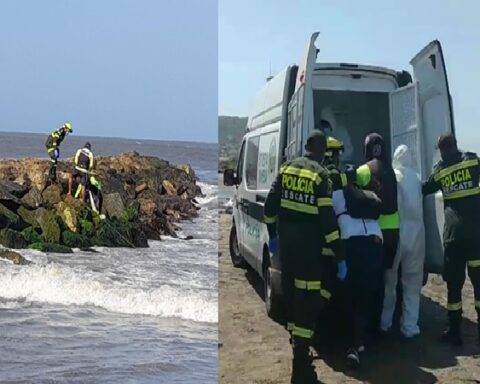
(411, 250)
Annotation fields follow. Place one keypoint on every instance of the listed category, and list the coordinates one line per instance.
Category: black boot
(353, 358)
(52, 174)
(453, 335)
(303, 372)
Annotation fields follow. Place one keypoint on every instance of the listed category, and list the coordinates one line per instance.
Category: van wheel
(237, 259)
(273, 301)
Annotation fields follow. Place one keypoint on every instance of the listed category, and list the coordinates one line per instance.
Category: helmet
(68, 127)
(333, 146)
(87, 145)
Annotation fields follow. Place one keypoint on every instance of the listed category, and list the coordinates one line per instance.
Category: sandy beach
(254, 349)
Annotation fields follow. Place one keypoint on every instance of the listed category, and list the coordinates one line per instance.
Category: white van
(355, 100)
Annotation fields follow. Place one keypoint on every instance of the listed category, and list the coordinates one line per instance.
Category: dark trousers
(458, 257)
(364, 257)
(389, 250)
(300, 255)
(52, 174)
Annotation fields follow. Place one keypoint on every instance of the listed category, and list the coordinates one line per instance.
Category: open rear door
(404, 127)
(303, 96)
(435, 116)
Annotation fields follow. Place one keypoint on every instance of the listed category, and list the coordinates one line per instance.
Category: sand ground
(254, 349)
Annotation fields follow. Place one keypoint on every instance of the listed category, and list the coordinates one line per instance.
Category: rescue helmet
(87, 145)
(68, 127)
(334, 146)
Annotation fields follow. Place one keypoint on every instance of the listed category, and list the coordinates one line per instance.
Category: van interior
(351, 116)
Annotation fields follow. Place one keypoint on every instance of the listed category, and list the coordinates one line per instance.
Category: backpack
(361, 203)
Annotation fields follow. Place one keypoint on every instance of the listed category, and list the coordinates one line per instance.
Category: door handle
(260, 199)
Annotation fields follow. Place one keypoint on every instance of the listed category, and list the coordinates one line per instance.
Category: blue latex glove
(273, 246)
(341, 270)
(56, 153)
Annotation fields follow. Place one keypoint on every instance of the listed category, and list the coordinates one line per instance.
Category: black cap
(87, 145)
(447, 141)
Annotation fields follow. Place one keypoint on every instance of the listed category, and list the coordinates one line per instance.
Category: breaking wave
(54, 283)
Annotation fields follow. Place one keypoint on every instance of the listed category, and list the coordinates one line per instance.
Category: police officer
(300, 202)
(53, 148)
(457, 176)
(378, 176)
(83, 165)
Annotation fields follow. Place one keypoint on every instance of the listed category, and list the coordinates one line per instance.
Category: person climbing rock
(53, 148)
(83, 165)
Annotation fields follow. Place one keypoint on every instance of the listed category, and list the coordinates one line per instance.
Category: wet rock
(168, 188)
(114, 184)
(50, 247)
(12, 239)
(7, 217)
(33, 199)
(113, 234)
(31, 235)
(8, 198)
(113, 205)
(52, 195)
(29, 216)
(161, 194)
(189, 237)
(68, 215)
(186, 168)
(15, 189)
(139, 237)
(140, 188)
(76, 204)
(75, 240)
(47, 220)
(15, 257)
(89, 249)
(174, 214)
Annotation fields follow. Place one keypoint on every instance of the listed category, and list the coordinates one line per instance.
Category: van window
(240, 164)
(251, 162)
(267, 160)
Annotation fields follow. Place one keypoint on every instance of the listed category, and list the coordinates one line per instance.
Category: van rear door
(435, 116)
(301, 107)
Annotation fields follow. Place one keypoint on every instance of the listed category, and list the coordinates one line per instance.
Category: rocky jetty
(143, 198)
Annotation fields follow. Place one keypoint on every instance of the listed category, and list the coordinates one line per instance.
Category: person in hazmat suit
(457, 175)
(411, 250)
(301, 221)
(53, 148)
(362, 237)
(377, 175)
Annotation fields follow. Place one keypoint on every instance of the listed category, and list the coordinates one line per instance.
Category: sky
(255, 36)
(143, 69)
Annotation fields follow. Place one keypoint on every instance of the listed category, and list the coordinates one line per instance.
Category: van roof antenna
(270, 77)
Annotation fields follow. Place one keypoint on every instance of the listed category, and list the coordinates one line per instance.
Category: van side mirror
(229, 178)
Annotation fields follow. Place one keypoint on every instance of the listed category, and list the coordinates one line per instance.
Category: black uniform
(53, 142)
(458, 179)
(300, 202)
(83, 164)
